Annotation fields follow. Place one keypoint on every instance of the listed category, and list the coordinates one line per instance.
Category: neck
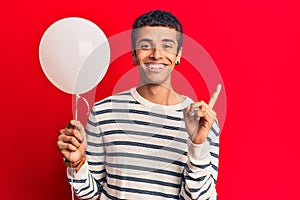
(159, 94)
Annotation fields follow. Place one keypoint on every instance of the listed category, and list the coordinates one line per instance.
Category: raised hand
(199, 118)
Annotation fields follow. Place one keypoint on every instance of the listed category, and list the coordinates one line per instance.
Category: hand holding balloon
(74, 54)
(72, 141)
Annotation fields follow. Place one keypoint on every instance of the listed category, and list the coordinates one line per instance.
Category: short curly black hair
(157, 18)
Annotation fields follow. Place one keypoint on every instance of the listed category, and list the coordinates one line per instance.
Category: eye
(168, 46)
(145, 46)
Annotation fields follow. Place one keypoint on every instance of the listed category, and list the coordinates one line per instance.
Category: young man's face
(156, 54)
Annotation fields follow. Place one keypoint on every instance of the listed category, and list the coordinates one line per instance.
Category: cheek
(141, 56)
(171, 59)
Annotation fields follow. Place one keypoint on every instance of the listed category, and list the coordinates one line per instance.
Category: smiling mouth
(155, 67)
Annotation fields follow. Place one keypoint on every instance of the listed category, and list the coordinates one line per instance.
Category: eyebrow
(169, 40)
(144, 40)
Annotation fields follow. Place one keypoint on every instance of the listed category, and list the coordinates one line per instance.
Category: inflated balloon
(74, 54)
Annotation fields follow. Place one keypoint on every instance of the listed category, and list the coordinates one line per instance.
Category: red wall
(255, 45)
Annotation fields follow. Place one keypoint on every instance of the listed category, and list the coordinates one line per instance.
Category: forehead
(156, 33)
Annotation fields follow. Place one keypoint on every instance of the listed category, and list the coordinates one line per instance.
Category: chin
(154, 82)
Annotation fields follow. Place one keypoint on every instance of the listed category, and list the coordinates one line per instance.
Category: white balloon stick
(214, 96)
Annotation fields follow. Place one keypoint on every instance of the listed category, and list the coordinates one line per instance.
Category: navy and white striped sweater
(140, 150)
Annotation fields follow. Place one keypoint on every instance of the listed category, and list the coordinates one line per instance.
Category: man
(148, 142)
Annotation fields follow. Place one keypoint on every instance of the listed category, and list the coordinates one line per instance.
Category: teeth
(156, 66)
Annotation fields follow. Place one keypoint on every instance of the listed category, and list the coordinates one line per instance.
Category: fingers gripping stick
(212, 100)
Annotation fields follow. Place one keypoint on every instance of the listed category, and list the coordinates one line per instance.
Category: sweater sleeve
(88, 181)
(201, 170)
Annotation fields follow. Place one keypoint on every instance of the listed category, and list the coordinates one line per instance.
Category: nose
(156, 54)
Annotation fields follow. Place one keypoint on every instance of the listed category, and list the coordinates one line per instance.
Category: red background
(255, 45)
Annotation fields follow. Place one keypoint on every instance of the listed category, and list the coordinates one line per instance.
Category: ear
(133, 57)
(178, 57)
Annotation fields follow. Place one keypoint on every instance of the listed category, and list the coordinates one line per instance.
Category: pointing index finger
(214, 97)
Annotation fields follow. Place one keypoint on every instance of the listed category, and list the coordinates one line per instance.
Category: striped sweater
(141, 150)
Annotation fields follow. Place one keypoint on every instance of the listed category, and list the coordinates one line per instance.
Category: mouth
(155, 67)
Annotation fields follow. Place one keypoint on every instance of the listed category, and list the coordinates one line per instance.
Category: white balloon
(74, 54)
